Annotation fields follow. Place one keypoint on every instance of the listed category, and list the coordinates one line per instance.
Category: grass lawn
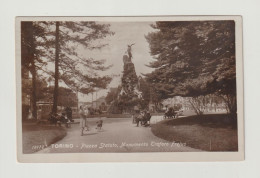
(212, 132)
(36, 137)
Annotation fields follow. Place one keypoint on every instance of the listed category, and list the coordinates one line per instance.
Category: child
(99, 124)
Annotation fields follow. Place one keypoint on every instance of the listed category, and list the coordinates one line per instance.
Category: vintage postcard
(129, 89)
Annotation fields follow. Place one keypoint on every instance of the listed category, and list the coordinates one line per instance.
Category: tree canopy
(76, 70)
(189, 55)
(193, 58)
(45, 44)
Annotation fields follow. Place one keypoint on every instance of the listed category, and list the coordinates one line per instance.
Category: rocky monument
(129, 96)
(129, 79)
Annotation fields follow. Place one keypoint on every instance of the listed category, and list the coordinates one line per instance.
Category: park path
(117, 135)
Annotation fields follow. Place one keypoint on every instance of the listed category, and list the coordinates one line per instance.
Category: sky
(125, 33)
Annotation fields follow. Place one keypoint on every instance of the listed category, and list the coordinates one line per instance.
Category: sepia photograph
(129, 89)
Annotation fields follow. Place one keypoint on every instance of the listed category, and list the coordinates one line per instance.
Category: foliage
(76, 71)
(64, 41)
(198, 103)
(45, 43)
(193, 58)
(32, 39)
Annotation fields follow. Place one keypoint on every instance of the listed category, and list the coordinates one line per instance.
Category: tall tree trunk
(34, 88)
(56, 77)
(28, 26)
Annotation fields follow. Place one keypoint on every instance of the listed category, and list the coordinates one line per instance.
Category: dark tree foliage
(32, 40)
(194, 59)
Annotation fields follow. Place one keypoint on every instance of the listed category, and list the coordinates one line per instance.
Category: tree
(194, 59)
(67, 96)
(56, 75)
(32, 37)
(145, 90)
(77, 72)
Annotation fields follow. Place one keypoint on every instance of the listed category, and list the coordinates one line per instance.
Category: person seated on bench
(64, 119)
(52, 118)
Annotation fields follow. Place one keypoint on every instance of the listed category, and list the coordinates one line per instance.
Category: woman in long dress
(83, 119)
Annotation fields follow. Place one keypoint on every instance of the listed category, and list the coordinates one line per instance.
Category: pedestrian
(64, 119)
(68, 111)
(58, 118)
(39, 114)
(99, 124)
(83, 119)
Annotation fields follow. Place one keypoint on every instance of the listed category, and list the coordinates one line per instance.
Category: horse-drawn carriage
(144, 117)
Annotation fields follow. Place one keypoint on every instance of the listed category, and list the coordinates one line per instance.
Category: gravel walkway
(117, 135)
